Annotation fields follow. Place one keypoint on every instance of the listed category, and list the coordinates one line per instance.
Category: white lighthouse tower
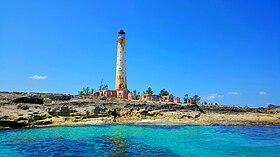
(121, 80)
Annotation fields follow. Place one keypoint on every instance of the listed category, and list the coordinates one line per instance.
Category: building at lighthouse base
(127, 95)
(122, 94)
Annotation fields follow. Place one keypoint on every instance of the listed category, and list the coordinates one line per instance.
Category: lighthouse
(121, 80)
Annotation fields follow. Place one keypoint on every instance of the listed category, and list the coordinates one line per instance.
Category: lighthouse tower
(121, 82)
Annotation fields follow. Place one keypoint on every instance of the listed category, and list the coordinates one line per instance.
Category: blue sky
(225, 51)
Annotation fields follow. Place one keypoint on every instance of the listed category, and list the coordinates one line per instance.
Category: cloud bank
(214, 96)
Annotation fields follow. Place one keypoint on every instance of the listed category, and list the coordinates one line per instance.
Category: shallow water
(134, 140)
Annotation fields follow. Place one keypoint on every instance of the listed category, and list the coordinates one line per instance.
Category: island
(29, 110)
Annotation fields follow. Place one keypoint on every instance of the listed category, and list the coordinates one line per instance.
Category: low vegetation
(86, 91)
(149, 91)
(137, 94)
(163, 92)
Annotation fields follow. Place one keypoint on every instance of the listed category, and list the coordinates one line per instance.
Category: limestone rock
(29, 99)
(43, 122)
(36, 117)
(60, 97)
(98, 110)
(12, 124)
(61, 111)
(22, 107)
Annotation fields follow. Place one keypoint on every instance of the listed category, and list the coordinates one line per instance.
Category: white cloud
(214, 96)
(252, 105)
(233, 93)
(38, 92)
(262, 93)
(37, 77)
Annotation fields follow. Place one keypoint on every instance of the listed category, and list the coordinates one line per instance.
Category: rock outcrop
(61, 111)
(60, 97)
(22, 110)
(29, 99)
(12, 124)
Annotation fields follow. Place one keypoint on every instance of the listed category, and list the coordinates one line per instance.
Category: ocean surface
(137, 140)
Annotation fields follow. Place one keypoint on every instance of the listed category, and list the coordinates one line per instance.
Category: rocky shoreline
(28, 110)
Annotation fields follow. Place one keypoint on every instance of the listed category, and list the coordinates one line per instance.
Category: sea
(141, 140)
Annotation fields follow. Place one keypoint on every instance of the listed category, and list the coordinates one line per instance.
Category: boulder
(61, 111)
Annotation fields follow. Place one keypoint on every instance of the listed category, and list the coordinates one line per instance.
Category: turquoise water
(134, 140)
